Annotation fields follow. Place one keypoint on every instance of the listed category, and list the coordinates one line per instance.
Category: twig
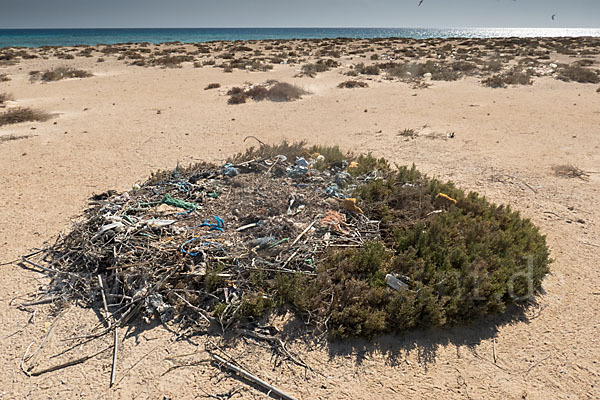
(252, 378)
(193, 307)
(280, 343)
(303, 233)
(257, 139)
(538, 363)
(113, 370)
(25, 371)
(68, 363)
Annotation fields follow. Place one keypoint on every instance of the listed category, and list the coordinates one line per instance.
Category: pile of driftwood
(183, 245)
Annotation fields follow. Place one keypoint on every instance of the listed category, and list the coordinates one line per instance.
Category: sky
(302, 13)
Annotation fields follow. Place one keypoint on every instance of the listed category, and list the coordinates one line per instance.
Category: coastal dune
(111, 129)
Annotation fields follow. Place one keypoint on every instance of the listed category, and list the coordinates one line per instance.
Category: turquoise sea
(70, 37)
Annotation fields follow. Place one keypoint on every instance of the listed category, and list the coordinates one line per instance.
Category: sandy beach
(113, 129)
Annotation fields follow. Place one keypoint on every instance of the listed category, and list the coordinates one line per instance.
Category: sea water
(71, 37)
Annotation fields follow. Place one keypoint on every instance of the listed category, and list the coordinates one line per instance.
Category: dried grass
(570, 171)
(17, 115)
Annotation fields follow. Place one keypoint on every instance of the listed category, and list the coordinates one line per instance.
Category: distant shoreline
(34, 38)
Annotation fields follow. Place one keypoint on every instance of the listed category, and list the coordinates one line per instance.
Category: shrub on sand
(238, 98)
(212, 86)
(283, 91)
(570, 171)
(16, 115)
(515, 76)
(59, 73)
(352, 85)
(4, 97)
(579, 74)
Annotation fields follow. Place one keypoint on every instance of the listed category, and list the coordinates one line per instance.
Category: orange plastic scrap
(443, 200)
(350, 205)
(335, 220)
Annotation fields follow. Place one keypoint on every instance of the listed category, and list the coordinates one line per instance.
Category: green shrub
(468, 260)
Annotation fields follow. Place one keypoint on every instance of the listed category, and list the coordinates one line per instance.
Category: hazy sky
(301, 13)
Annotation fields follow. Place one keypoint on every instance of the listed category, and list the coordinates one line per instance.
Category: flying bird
(553, 16)
(420, 2)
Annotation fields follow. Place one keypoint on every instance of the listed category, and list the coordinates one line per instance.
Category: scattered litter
(443, 201)
(350, 205)
(395, 283)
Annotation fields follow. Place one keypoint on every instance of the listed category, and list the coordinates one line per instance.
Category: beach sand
(112, 130)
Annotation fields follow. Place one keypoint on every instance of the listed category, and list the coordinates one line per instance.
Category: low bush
(4, 97)
(212, 86)
(311, 70)
(272, 90)
(456, 260)
(515, 76)
(282, 91)
(579, 74)
(352, 85)
(16, 115)
(59, 73)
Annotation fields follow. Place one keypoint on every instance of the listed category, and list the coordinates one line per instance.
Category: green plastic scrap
(170, 201)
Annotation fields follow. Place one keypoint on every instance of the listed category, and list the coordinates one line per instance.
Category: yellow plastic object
(443, 200)
(350, 205)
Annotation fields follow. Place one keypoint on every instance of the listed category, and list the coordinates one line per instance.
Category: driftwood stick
(113, 369)
(303, 233)
(102, 292)
(252, 378)
(68, 363)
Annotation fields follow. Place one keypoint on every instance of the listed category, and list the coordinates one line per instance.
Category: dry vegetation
(579, 74)
(16, 115)
(4, 97)
(271, 90)
(351, 84)
(11, 138)
(58, 74)
(570, 171)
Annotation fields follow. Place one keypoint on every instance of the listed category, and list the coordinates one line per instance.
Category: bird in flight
(553, 16)
(420, 2)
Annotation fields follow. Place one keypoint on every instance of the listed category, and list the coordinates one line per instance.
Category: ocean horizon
(91, 37)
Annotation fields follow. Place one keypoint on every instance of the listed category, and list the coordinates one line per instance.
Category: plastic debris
(171, 201)
(395, 283)
(443, 201)
(116, 226)
(263, 242)
(350, 205)
(155, 304)
(335, 221)
(341, 179)
(301, 162)
(334, 190)
(160, 223)
(230, 170)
